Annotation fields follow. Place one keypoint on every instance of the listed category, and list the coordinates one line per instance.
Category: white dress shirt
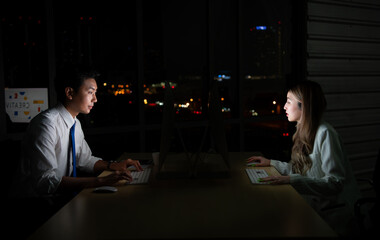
(47, 155)
(330, 185)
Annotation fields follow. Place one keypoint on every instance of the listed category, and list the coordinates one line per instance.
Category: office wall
(343, 55)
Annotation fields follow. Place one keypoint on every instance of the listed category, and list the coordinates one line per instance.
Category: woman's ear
(299, 105)
(69, 92)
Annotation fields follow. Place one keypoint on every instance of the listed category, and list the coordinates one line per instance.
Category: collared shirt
(47, 155)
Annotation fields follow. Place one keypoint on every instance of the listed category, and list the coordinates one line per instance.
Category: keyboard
(255, 174)
(140, 177)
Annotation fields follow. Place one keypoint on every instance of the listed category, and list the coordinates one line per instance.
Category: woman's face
(292, 108)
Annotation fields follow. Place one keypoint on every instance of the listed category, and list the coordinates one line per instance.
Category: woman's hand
(276, 179)
(259, 161)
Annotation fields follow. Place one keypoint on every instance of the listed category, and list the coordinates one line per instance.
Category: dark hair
(72, 76)
(313, 103)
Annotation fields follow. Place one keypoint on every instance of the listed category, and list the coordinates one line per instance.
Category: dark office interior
(252, 49)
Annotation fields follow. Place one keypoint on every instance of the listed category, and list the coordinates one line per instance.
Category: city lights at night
(135, 68)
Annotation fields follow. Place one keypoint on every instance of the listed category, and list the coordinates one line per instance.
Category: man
(46, 167)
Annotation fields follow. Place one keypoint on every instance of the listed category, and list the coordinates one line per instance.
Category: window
(138, 46)
(24, 49)
(102, 35)
(266, 56)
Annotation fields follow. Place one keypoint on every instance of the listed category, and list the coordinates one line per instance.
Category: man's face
(83, 100)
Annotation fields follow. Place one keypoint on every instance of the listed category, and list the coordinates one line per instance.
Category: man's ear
(69, 92)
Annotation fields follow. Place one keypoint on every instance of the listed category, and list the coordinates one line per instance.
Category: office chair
(10, 150)
(367, 209)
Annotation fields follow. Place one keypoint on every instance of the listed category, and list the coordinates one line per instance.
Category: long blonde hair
(313, 104)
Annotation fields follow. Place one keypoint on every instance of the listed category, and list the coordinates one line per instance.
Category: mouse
(105, 189)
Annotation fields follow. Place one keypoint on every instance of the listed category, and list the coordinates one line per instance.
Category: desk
(188, 208)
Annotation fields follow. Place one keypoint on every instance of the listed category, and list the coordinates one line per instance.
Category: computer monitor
(218, 133)
(171, 162)
(167, 126)
(213, 162)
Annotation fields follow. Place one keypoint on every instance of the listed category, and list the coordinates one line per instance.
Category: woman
(319, 169)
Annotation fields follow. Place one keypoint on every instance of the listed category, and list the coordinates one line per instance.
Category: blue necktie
(72, 134)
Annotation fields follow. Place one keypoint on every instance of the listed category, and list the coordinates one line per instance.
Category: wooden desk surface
(188, 208)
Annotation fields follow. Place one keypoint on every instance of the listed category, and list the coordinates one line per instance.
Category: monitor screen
(171, 163)
(211, 159)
